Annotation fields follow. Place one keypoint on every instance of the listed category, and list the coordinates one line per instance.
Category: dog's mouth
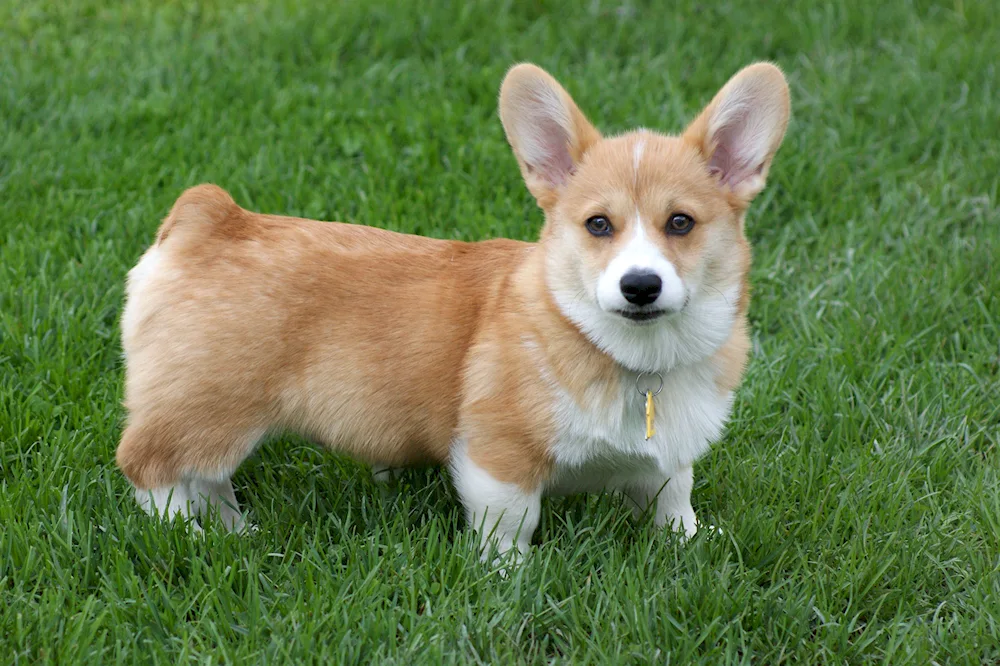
(646, 316)
(641, 316)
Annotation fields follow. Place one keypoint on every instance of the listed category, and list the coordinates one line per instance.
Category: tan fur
(385, 345)
(264, 322)
(507, 398)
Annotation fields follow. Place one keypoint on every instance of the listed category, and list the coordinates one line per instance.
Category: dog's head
(643, 236)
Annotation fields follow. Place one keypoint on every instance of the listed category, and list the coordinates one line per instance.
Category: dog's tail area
(207, 206)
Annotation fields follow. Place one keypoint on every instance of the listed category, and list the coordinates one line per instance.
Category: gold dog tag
(650, 414)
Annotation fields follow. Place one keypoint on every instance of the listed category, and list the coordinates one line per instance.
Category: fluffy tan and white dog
(525, 367)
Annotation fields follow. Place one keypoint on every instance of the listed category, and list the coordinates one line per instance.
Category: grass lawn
(858, 485)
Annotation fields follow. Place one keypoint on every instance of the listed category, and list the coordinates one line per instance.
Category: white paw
(712, 530)
(385, 474)
(683, 523)
(244, 527)
(504, 563)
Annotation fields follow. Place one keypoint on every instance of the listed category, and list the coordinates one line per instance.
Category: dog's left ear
(739, 132)
(546, 130)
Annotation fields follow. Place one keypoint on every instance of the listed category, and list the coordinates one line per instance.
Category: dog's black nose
(640, 288)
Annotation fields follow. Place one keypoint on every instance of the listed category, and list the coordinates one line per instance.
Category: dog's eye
(599, 225)
(679, 224)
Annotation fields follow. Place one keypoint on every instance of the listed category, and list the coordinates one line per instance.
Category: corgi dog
(602, 357)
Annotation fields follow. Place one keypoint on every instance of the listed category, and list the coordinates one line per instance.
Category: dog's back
(237, 324)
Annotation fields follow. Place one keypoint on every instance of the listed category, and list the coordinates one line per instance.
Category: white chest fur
(601, 446)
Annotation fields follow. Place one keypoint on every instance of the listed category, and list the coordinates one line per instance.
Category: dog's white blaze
(502, 513)
(640, 145)
(640, 254)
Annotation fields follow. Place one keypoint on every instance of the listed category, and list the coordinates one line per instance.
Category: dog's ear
(546, 130)
(739, 132)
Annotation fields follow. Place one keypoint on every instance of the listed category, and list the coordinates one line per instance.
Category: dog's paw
(504, 562)
(244, 527)
(385, 474)
(712, 531)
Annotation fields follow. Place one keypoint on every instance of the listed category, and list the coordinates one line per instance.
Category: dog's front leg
(672, 494)
(503, 513)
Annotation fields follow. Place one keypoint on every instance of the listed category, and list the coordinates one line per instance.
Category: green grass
(858, 485)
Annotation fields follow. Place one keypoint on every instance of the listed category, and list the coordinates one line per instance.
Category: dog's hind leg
(385, 474)
(219, 498)
(174, 476)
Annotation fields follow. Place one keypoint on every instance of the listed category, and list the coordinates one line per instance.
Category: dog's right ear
(546, 130)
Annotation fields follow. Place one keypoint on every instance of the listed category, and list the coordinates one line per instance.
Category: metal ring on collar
(643, 374)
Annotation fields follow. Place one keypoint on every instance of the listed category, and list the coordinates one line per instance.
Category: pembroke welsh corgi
(604, 356)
